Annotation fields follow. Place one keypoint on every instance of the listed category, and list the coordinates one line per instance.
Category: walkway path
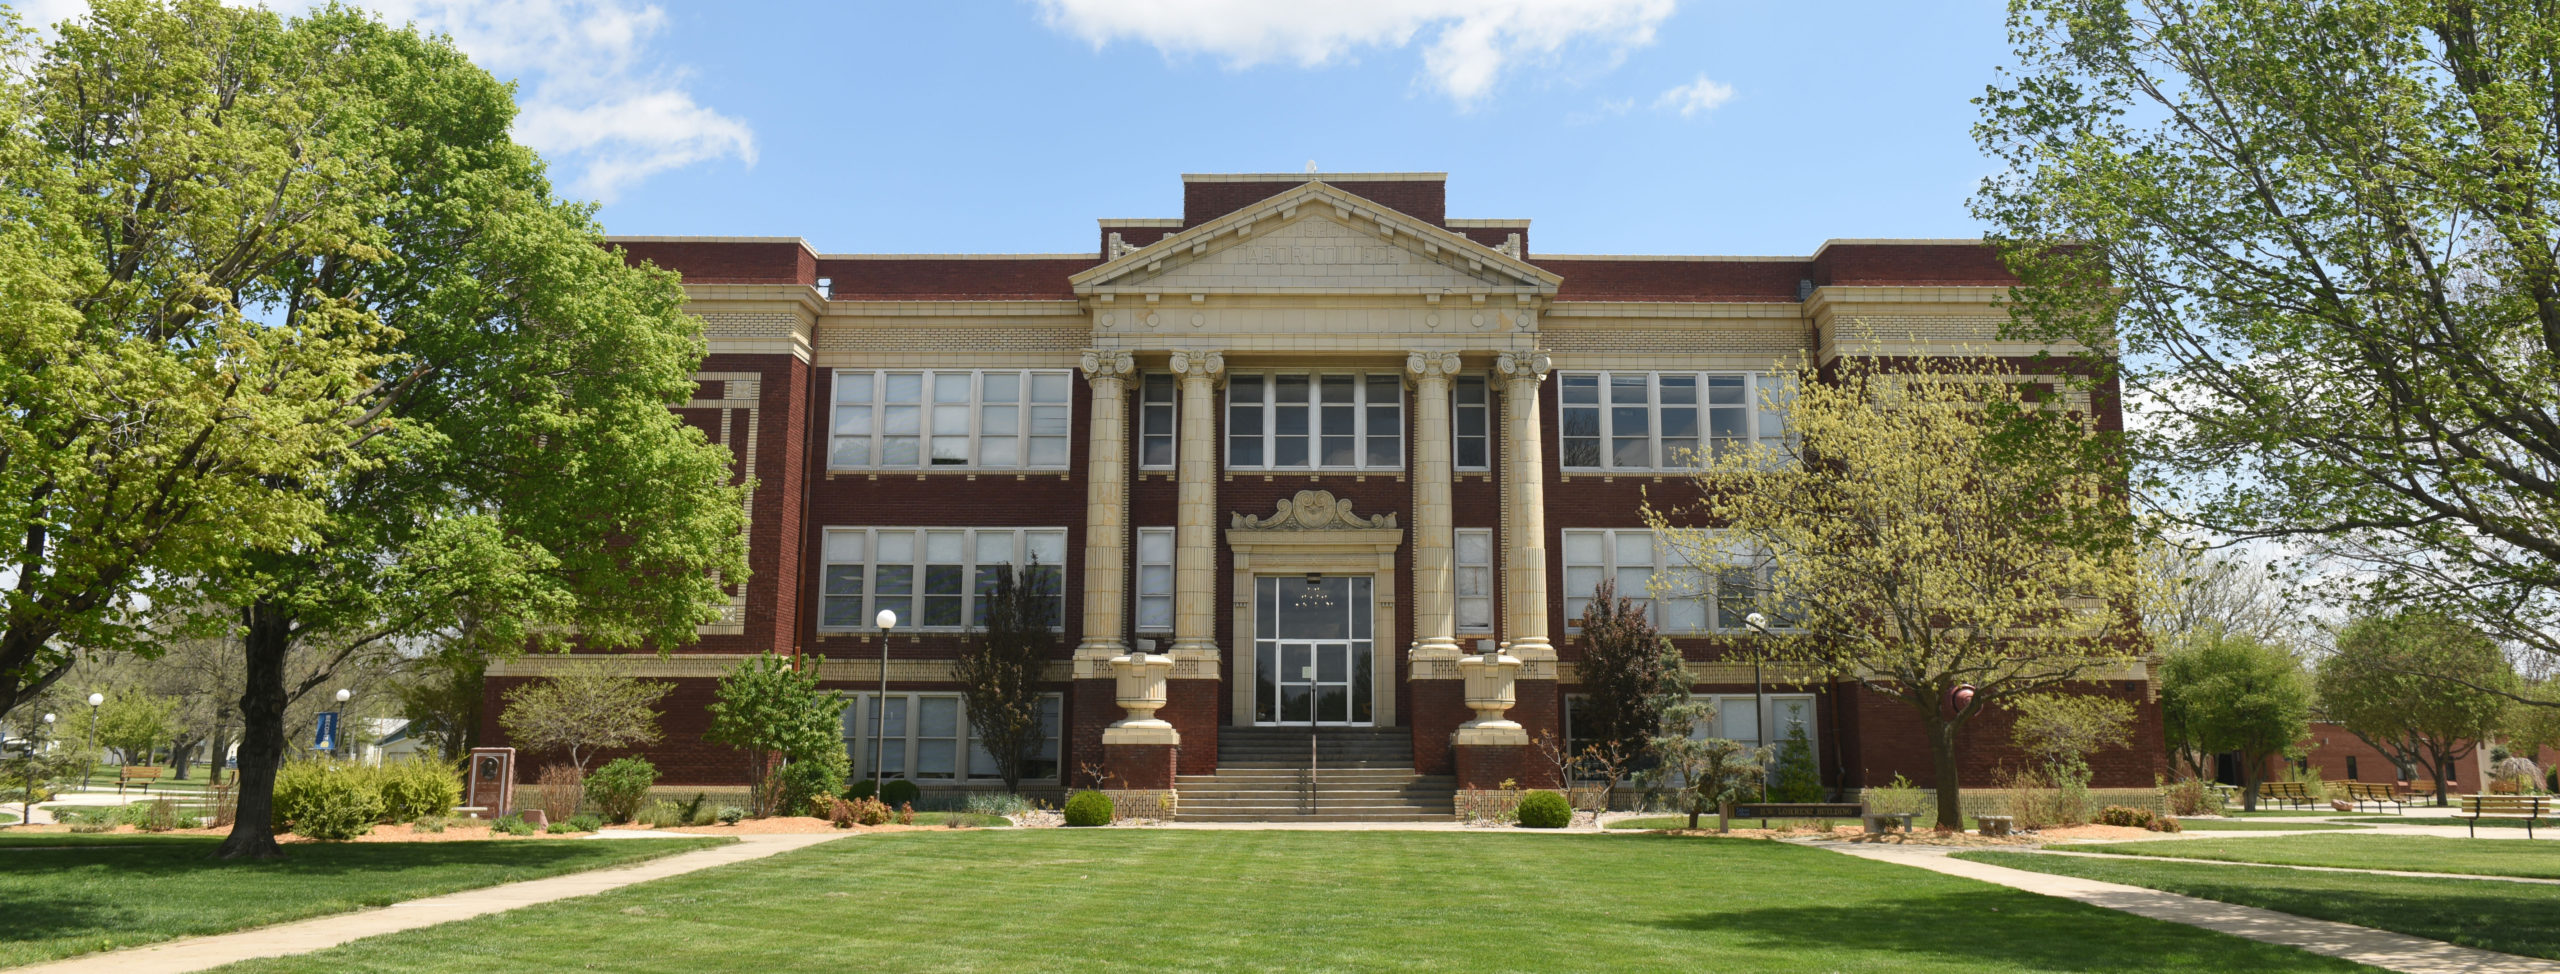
(2363, 945)
(321, 933)
(2068, 851)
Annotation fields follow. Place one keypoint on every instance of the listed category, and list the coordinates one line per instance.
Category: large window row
(1678, 596)
(923, 735)
(935, 578)
(1298, 421)
(1666, 420)
(1003, 419)
(1736, 719)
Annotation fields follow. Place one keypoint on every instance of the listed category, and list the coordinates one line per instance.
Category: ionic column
(1524, 549)
(1106, 518)
(1435, 620)
(1195, 582)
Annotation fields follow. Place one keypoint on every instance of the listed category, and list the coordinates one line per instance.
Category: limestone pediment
(1316, 239)
(1311, 510)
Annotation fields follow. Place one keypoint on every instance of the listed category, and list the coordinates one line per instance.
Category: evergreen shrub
(1088, 808)
(1545, 810)
(617, 789)
(900, 791)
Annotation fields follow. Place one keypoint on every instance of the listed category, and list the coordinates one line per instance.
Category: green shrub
(583, 822)
(1901, 797)
(695, 812)
(412, 790)
(512, 825)
(1088, 808)
(730, 814)
(190, 821)
(817, 776)
(2137, 818)
(325, 800)
(996, 803)
(1799, 777)
(617, 789)
(1545, 810)
(93, 827)
(77, 815)
(429, 823)
(900, 791)
(865, 788)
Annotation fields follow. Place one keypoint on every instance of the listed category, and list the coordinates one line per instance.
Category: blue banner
(325, 736)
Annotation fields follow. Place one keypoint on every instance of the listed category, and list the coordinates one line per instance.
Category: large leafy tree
(503, 451)
(1929, 528)
(1001, 670)
(2230, 692)
(2321, 236)
(2419, 687)
(157, 167)
(770, 708)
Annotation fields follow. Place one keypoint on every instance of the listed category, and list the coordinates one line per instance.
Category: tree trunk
(2253, 769)
(181, 754)
(213, 758)
(268, 636)
(1942, 759)
(1724, 818)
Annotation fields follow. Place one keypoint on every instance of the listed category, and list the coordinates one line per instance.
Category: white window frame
(904, 747)
(873, 420)
(834, 541)
(1165, 412)
(1761, 391)
(1480, 572)
(1669, 577)
(1478, 428)
(1146, 592)
(1360, 407)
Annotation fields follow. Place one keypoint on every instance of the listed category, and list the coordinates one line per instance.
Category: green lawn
(2235, 825)
(2415, 853)
(117, 891)
(1148, 900)
(2486, 823)
(2485, 913)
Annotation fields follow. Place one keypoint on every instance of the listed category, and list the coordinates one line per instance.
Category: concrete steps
(1362, 775)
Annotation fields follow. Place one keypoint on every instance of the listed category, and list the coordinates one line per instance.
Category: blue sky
(1620, 126)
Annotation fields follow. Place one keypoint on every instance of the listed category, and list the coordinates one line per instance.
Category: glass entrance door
(1312, 650)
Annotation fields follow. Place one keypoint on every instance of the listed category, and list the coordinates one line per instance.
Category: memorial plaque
(491, 783)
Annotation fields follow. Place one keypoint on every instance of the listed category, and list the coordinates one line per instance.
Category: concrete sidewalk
(2058, 850)
(2363, 945)
(321, 933)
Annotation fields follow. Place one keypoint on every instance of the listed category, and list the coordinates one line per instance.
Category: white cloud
(593, 98)
(590, 93)
(1471, 44)
(1697, 96)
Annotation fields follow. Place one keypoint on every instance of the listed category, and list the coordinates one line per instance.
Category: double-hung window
(1471, 412)
(1667, 420)
(1155, 579)
(1301, 421)
(1678, 596)
(935, 578)
(926, 736)
(992, 419)
(1475, 579)
(1155, 421)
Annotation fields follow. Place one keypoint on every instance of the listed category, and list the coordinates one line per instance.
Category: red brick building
(1305, 460)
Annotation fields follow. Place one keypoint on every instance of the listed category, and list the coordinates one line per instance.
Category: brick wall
(1426, 200)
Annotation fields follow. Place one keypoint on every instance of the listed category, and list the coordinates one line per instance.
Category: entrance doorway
(1312, 651)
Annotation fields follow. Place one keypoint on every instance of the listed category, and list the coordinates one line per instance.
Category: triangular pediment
(1315, 238)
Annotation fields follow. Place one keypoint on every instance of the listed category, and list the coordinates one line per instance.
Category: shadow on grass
(2000, 928)
(117, 884)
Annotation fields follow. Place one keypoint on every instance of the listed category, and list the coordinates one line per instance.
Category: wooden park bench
(139, 778)
(2292, 793)
(2526, 807)
(1764, 811)
(2377, 794)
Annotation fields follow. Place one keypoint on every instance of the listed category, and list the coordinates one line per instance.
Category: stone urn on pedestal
(1138, 750)
(1491, 688)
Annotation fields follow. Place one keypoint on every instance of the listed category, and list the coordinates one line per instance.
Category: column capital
(1531, 365)
(1107, 363)
(1424, 365)
(1193, 362)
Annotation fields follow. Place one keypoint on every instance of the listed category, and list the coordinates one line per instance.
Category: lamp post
(1759, 706)
(888, 620)
(89, 762)
(338, 734)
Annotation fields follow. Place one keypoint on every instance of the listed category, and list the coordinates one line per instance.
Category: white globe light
(1756, 621)
(887, 619)
(344, 694)
(97, 698)
(48, 718)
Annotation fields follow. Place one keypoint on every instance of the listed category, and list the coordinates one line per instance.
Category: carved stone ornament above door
(1311, 510)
